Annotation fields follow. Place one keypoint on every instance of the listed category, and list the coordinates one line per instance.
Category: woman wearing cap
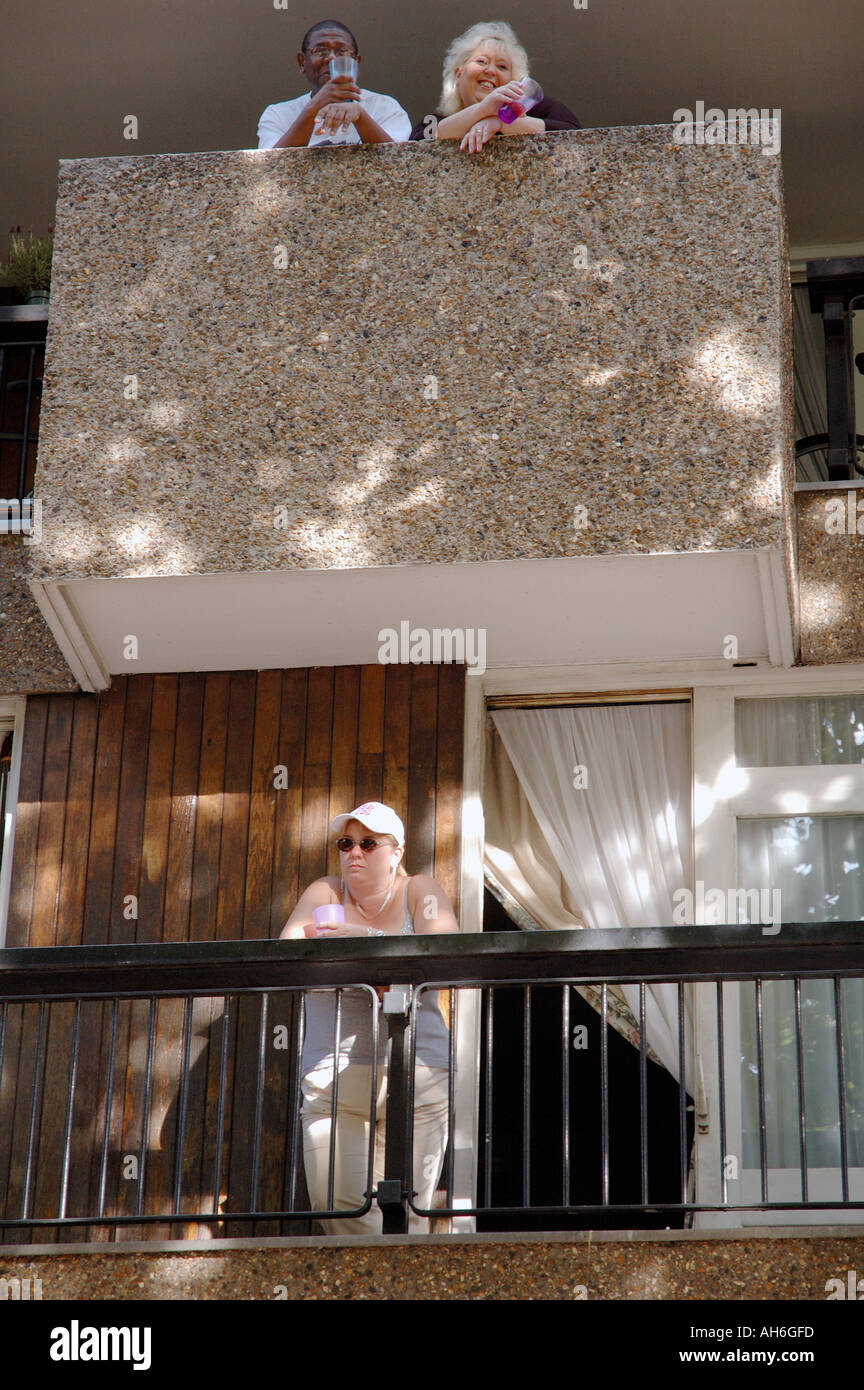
(483, 71)
(378, 898)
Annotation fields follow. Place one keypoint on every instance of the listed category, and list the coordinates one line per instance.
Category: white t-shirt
(385, 110)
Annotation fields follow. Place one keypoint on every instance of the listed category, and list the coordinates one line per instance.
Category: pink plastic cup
(330, 915)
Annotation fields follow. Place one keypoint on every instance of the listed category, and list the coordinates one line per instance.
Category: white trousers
(351, 1157)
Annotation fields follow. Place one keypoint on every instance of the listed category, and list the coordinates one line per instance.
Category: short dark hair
(327, 24)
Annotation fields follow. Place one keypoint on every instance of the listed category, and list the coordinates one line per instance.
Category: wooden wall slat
(231, 893)
(448, 789)
(262, 805)
(314, 826)
(103, 817)
(370, 734)
(11, 1107)
(26, 1028)
(184, 805)
(55, 1090)
(79, 805)
(289, 799)
(210, 807)
(88, 1120)
(397, 722)
(20, 913)
(58, 736)
(157, 809)
(344, 753)
(130, 808)
(420, 825)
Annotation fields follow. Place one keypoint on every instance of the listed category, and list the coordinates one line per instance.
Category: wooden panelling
(76, 829)
(184, 807)
(421, 769)
(208, 799)
(157, 809)
(101, 847)
(210, 808)
(46, 889)
(262, 805)
(20, 915)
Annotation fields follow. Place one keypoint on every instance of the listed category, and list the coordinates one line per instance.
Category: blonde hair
(461, 49)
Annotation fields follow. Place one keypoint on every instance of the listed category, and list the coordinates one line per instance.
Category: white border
(68, 632)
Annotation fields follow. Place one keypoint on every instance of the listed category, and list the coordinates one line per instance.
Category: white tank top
(355, 1025)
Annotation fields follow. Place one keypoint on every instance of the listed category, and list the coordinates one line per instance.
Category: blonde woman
(483, 70)
(378, 898)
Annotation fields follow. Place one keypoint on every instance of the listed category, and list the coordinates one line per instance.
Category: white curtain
(799, 731)
(817, 864)
(610, 789)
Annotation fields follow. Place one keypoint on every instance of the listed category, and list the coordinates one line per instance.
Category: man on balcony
(336, 111)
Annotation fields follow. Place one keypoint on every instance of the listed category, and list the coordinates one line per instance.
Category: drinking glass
(532, 92)
(343, 66)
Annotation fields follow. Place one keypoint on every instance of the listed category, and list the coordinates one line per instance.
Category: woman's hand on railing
(480, 133)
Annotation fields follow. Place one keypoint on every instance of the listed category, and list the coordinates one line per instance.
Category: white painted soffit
(585, 611)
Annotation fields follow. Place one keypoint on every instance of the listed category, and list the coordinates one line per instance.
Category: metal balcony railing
(22, 362)
(159, 1086)
(836, 292)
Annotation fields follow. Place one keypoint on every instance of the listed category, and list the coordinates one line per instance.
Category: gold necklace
(370, 916)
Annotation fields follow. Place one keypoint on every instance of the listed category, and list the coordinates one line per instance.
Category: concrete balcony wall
(831, 571)
(570, 348)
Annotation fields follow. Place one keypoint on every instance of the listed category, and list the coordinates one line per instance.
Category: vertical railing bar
(684, 1153)
(721, 1084)
(296, 1100)
(802, 1100)
(259, 1097)
(109, 1096)
(526, 1097)
(25, 440)
(604, 1095)
(376, 1006)
(70, 1102)
(760, 1058)
(182, 1105)
(408, 1175)
(331, 1163)
(451, 1100)
(643, 1087)
(565, 1094)
(220, 1105)
(841, 1089)
(34, 1099)
(487, 1119)
(145, 1118)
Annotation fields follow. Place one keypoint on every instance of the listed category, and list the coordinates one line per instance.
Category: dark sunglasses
(345, 844)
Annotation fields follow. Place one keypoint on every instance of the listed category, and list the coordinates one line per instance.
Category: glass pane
(817, 864)
(800, 732)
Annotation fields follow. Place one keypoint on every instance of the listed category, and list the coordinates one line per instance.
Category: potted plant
(28, 268)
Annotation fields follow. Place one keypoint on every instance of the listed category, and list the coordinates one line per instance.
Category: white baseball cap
(381, 819)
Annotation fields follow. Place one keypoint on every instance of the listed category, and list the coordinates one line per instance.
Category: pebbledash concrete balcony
(297, 397)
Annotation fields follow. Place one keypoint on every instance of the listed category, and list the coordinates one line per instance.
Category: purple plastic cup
(330, 915)
(532, 93)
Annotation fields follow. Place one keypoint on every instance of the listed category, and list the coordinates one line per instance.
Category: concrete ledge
(760, 1263)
